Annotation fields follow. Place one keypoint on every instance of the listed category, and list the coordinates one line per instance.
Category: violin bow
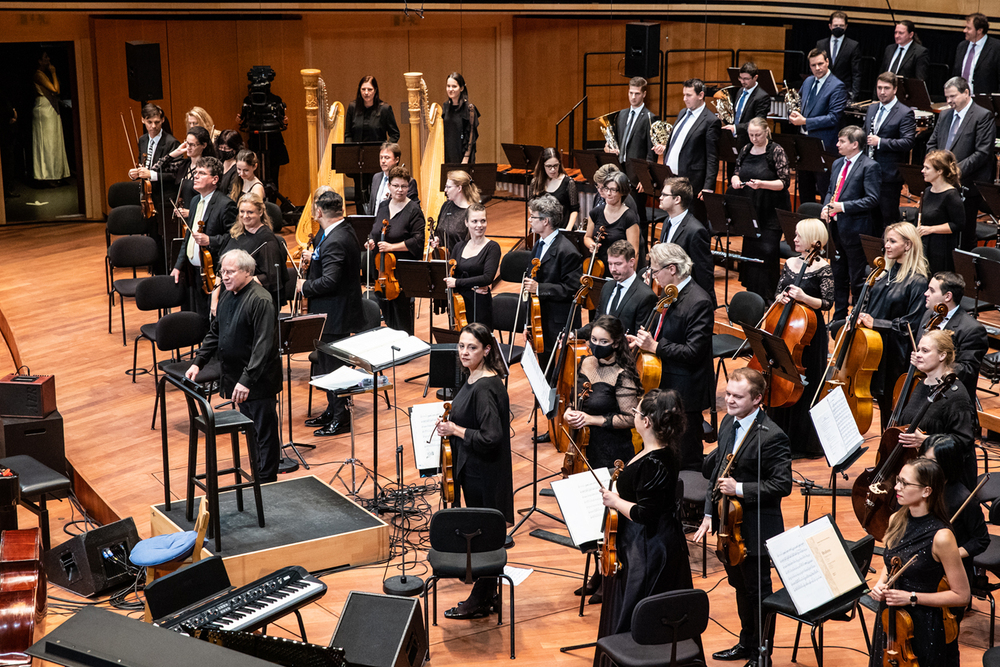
(128, 142)
(892, 580)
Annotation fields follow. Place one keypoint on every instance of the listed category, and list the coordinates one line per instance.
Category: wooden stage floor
(59, 315)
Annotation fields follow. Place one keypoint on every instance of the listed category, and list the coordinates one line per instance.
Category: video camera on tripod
(262, 110)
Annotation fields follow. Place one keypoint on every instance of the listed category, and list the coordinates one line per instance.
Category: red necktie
(840, 181)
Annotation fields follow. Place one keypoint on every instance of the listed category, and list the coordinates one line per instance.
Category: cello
(447, 470)
(593, 266)
(647, 364)
(795, 324)
(561, 369)
(386, 282)
(904, 385)
(730, 546)
(23, 593)
(872, 496)
(898, 626)
(855, 357)
(457, 319)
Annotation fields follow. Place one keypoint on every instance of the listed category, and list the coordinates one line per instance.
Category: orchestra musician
(907, 57)
(198, 117)
(479, 429)
(154, 144)
(968, 333)
(815, 292)
(921, 528)
(404, 237)
(388, 157)
(977, 59)
(971, 534)
(246, 180)
(751, 102)
(684, 229)
(461, 122)
(601, 177)
(942, 212)
(477, 260)
(692, 151)
(650, 540)
(252, 231)
(451, 228)
(369, 119)
(682, 339)
(550, 177)
(333, 286)
(245, 338)
(893, 308)
(632, 134)
(617, 221)
(845, 54)
(228, 145)
(891, 130)
(824, 98)
(629, 299)
(953, 414)
(176, 169)
(758, 447)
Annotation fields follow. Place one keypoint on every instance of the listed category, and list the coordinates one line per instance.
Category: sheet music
(342, 378)
(835, 425)
(423, 417)
(579, 498)
(375, 347)
(545, 394)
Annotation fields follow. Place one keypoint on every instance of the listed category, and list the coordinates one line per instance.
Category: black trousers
(264, 413)
(327, 363)
(692, 442)
(849, 270)
(888, 206)
(751, 580)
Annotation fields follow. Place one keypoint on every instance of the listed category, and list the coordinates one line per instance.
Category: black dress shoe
(324, 419)
(544, 437)
(333, 428)
(738, 652)
(592, 586)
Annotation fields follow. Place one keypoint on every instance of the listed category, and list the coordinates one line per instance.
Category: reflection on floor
(31, 203)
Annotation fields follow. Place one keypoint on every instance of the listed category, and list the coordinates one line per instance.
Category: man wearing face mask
(845, 54)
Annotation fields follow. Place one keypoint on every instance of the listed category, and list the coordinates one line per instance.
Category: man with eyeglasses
(244, 335)
(682, 339)
(211, 214)
(684, 229)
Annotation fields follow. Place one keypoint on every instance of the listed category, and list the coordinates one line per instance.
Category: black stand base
(445, 394)
(287, 465)
(406, 585)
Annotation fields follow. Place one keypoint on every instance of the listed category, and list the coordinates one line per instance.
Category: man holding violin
(748, 441)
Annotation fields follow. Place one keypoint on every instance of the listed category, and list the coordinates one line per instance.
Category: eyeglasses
(605, 188)
(638, 414)
(399, 186)
(225, 273)
(903, 483)
(554, 165)
(535, 217)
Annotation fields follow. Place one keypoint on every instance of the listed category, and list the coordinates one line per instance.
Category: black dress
(614, 393)
(477, 271)
(461, 129)
(614, 231)
(795, 420)
(940, 208)
(451, 228)
(768, 166)
(374, 123)
(921, 577)
(651, 545)
(483, 475)
(267, 250)
(953, 414)
(566, 194)
(407, 226)
(971, 534)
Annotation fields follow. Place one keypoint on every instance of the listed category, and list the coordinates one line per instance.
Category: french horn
(724, 107)
(659, 132)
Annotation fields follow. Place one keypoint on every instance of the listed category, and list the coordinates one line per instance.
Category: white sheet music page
(579, 498)
(835, 425)
(423, 418)
(375, 347)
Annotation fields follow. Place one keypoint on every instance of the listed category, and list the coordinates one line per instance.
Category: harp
(427, 131)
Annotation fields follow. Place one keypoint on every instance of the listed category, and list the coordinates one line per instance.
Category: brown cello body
(22, 593)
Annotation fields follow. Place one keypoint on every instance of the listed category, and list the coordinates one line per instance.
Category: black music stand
(913, 179)
(740, 218)
(483, 174)
(589, 161)
(774, 355)
(522, 157)
(914, 93)
(873, 248)
(362, 226)
(727, 148)
(577, 236)
(991, 195)
(357, 159)
(788, 221)
(980, 272)
(297, 335)
(812, 155)
(423, 280)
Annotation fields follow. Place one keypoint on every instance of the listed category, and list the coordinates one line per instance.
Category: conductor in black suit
(891, 128)
(850, 208)
(632, 134)
(626, 296)
(845, 55)
(388, 157)
(906, 57)
(968, 334)
(969, 132)
(217, 212)
(333, 286)
(682, 339)
(977, 59)
(682, 228)
(757, 445)
(558, 277)
(749, 102)
(693, 151)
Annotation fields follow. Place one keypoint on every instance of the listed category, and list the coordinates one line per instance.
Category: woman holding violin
(650, 540)
(942, 211)
(479, 429)
(616, 219)
(477, 260)
(919, 530)
(550, 177)
(399, 231)
(451, 223)
(895, 306)
(814, 290)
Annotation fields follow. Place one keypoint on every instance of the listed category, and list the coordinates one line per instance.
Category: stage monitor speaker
(41, 439)
(381, 631)
(95, 561)
(445, 369)
(142, 64)
(642, 50)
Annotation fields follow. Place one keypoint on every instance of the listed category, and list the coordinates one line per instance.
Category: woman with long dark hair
(550, 177)
(479, 428)
(246, 180)
(228, 145)
(48, 145)
(461, 122)
(942, 211)
(368, 119)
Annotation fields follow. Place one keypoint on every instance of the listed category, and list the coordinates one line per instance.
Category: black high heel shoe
(466, 610)
(593, 586)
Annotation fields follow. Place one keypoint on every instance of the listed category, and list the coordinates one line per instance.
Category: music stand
(873, 248)
(727, 148)
(483, 174)
(741, 218)
(788, 221)
(914, 93)
(362, 226)
(357, 159)
(978, 273)
(577, 236)
(589, 161)
(774, 351)
(423, 280)
(765, 79)
(812, 154)
(522, 157)
(297, 335)
(913, 179)
(991, 196)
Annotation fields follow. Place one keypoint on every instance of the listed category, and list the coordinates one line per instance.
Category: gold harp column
(413, 102)
(310, 80)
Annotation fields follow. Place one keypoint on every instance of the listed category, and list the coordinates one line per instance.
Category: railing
(571, 115)
(587, 85)
(665, 62)
(799, 68)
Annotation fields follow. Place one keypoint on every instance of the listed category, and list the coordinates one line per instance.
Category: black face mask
(838, 31)
(226, 154)
(601, 351)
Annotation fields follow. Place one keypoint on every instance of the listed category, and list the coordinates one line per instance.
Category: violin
(950, 621)
(574, 461)
(855, 357)
(562, 367)
(647, 364)
(873, 495)
(440, 252)
(609, 547)
(146, 192)
(730, 546)
(208, 279)
(447, 470)
(535, 338)
(898, 628)
(795, 324)
(386, 282)
(457, 319)
(593, 266)
(905, 383)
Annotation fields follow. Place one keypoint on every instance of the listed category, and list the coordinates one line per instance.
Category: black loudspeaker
(41, 439)
(642, 50)
(142, 63)
(95, 561)
(381, 631)
(445, 369)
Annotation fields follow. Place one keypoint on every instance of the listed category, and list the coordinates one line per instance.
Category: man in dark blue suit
(849, 207)
(891, 128)
(824, 98)
(750, 101)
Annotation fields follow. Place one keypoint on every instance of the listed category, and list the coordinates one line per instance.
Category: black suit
(163, 192)
(973, 148)
(684, 346)
(333, 286)
(859, 195)
(639, 145)
(847, 66)
(699, 156)
(633, 307)
(914, 65)
(985, 78)
(218, 217)
(761, 501)
(897, 132)
(372, 206)
(971, 345)
(692, 235)
(558, 280)
(757, 105)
